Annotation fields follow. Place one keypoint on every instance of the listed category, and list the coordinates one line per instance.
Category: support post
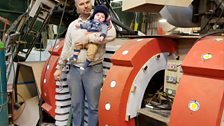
(3, 88)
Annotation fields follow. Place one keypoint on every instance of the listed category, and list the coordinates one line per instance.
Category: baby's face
(99, 17)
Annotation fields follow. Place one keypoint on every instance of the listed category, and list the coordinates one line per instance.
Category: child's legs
(91, 51)
(78, 47)
(76, 51)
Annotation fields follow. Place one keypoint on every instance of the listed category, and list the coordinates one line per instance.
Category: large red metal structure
(199, 99)
(127, 62)
(200, 96)
(48, 83)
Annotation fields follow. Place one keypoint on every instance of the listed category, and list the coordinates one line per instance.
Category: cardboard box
(152, 5)
(27, 80)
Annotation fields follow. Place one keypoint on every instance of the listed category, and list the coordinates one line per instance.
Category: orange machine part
(202, 83)
(214, 66)
(48, 85)
(57, 48)
(127, 61)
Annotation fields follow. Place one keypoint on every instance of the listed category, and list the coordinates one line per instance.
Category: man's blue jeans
(81, 83)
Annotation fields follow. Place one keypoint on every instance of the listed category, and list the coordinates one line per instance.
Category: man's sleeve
(66, 48)
(111, 33)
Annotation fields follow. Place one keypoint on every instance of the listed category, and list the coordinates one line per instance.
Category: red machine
(127, 62)
(200, 96)
(48, 83)
(139, 69)
(174, 80)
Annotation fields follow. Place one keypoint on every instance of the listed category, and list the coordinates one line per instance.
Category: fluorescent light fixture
(116, 0)
(162, 20)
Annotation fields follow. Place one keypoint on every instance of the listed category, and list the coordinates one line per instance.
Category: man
(88, 82)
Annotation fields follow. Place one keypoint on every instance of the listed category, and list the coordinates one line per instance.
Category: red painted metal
(47, 79)
(56, 49)
(123, 71)
(5, 24)
(202, 81)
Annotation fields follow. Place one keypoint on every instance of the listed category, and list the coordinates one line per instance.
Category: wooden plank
(36, 68)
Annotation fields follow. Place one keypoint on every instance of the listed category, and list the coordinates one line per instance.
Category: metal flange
(128, 62)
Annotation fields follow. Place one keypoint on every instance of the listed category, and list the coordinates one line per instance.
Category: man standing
(86, 82)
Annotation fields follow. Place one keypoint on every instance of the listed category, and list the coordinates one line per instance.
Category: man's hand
(57, 74)
(101, 38)
(81, 43)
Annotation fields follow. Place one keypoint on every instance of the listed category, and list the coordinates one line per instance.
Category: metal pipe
(10, 11)
(3, 88)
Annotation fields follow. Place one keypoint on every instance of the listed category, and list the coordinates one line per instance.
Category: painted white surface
(141, 82)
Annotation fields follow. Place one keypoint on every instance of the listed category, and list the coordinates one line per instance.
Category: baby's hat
(102, 9)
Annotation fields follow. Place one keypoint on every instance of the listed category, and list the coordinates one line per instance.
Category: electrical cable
(159, 106)
(220, 16)
(211, 16)
(63, 12)
(47, 61)
(160, 93)
(211, 33)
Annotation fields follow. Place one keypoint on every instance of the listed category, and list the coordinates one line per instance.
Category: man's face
(100, 17)
(83, 6)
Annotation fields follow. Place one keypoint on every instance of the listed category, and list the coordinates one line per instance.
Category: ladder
(31, 33)
(25, 31)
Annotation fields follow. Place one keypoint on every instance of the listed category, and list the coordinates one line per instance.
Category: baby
(97, 24)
